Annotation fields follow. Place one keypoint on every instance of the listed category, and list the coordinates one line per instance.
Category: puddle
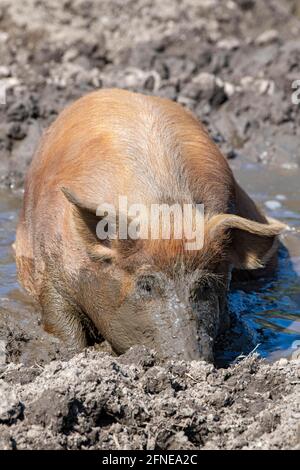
(270, 311)
(21, 335)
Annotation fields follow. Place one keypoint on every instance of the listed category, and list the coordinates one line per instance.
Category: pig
(130, 292)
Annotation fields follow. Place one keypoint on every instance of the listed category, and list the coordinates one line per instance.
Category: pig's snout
(160, 316)
(182, 339)
(172, 334)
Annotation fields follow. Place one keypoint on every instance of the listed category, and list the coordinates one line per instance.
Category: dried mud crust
(232, 63)
(95, 401)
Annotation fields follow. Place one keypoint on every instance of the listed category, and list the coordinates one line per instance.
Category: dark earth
(233, 64)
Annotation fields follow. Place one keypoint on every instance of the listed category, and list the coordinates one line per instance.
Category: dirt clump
(95, 401)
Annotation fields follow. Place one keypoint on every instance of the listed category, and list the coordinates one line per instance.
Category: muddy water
(21, 335)
(270, 311)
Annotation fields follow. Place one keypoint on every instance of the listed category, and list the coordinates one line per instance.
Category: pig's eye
(146, 284)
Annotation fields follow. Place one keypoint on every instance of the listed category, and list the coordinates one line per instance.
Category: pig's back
(114, 143)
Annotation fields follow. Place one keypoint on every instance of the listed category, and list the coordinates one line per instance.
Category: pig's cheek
(224, 316)
(130, 327)
(122, 330)
(118, 337)
(206, 347)
(209, 317)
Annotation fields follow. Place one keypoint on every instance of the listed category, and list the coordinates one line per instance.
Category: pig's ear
(252, 243)
(78, 202)
(86, 221)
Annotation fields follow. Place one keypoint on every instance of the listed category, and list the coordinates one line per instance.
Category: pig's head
(178, 315)
(158, 295)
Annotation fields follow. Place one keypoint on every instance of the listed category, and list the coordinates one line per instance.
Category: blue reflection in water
(271, 310)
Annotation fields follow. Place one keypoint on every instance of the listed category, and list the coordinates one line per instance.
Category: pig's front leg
(66, 320)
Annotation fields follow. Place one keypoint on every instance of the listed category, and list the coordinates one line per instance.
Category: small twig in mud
(116, 442)
(151, 440)
(39, 366)
(244, 356)
(191, 377)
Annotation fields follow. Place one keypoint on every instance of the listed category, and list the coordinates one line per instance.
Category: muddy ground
(231, 62)
(95, 401)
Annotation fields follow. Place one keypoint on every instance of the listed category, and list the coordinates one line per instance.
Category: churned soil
(96, 401)
(233, 63)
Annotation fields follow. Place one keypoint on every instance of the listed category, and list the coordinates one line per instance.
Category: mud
(233, 64)
(95, 401)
